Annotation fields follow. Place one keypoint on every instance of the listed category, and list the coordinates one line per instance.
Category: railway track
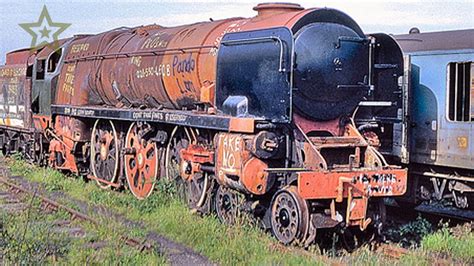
(15, 203)
(15, 192)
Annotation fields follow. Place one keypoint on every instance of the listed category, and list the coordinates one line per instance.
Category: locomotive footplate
(175, 117)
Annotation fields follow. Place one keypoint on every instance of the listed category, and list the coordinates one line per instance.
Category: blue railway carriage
(437, 131)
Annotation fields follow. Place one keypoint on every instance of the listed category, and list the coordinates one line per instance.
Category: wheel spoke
(104, 137)
(141, 174)
(289, 221)
(227, 208)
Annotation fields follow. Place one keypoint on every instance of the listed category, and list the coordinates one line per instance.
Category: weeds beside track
(166, 215)
(37, 230)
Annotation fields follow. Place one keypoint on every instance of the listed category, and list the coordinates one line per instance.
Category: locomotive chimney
(266, 9)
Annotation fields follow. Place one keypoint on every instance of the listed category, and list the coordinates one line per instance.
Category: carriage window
(460, 92)
(472, 91)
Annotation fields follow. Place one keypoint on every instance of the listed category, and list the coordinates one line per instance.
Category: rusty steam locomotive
(251, 114)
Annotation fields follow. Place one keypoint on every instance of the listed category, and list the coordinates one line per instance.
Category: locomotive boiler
(160, 67)
(249, 114)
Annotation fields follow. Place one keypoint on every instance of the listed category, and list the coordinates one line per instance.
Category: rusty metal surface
(290, 216)
(317, 185)
(118, 68)
(308, 126)
(272, 9)
(141, 160)
(44, 52)
(131, 74)
(436, 41)
(20, 56)
(238, 168)
(193, 158)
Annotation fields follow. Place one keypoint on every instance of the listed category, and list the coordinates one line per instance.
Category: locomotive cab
(45, 72)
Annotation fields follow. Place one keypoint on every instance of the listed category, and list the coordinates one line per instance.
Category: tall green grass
(457, 242)
(29, 237)
(164, 213)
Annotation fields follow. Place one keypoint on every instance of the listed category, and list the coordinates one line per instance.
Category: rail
(141, 245)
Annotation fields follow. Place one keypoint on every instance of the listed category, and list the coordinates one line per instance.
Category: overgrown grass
(30, 237)
(457, 242)
(447, 246)
(164, 213)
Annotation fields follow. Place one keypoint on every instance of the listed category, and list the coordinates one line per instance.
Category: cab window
(40, 64)
(53, 60)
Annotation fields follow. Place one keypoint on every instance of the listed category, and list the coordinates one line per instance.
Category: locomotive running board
(174, 117)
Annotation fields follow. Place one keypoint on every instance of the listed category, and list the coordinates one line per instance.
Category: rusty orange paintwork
(254, 177)
(208, 93)
(192, 158)
(67, 132)
(176, 62)
(230, 156)
(309, 126)
(141, 162)
(242, 125)
(18, 57)
(235, 162)
(321, 185)
(175, 68)
(41, 122)
(47, 50)
(62, 148)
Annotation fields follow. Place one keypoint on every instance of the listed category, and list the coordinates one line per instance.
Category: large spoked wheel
(196, 192)
(289, 216)
(104, 153)
(141, 160)
(227, 205)
(177, 142)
